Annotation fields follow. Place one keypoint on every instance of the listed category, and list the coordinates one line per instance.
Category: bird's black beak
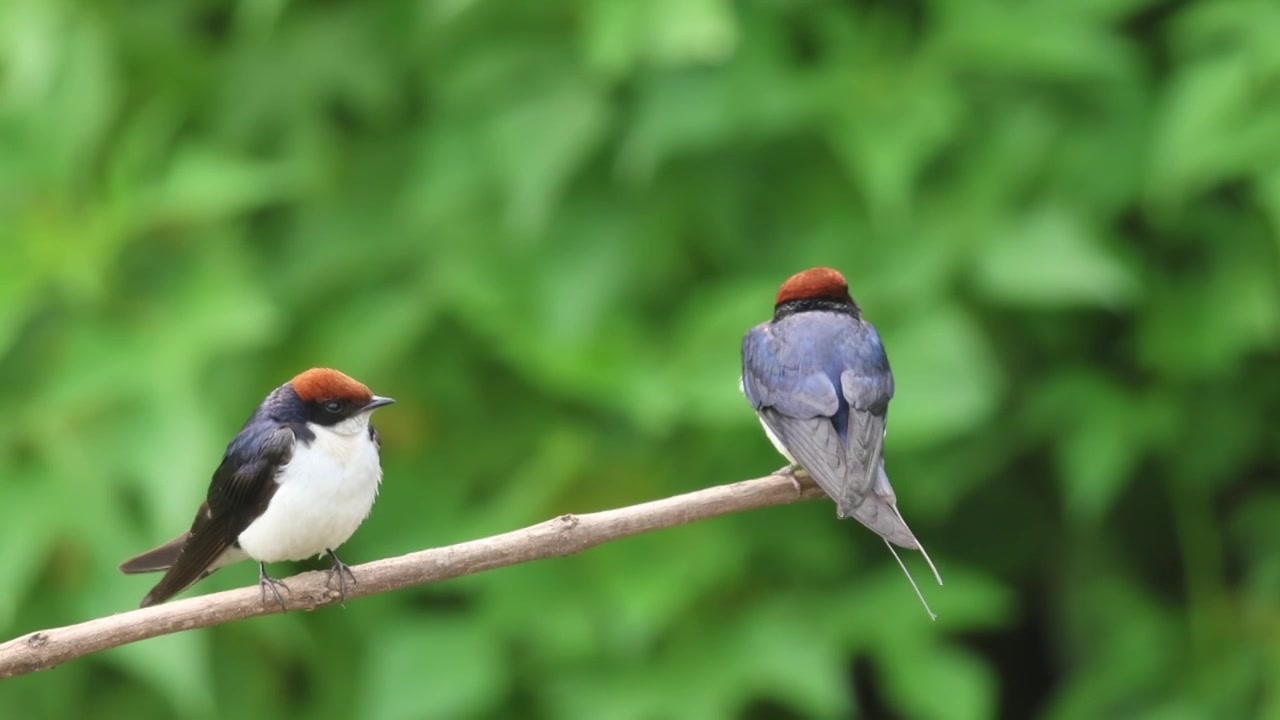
(376, 403)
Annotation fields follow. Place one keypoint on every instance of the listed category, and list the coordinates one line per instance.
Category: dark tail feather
(173, 583)
(156, 559)
(195, 561)
(159, 594)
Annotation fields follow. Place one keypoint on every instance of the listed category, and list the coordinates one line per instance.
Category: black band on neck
(791, 307)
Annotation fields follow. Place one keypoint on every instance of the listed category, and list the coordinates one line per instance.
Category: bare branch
(564, 535)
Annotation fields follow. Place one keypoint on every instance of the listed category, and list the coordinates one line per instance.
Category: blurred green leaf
(1105, 432)
(1050, 259)
(436, 668)
(891, 124)
(1216, 316)
(567, 121)
(945, 376)
(940, 683)
(1211, 130)
(176, 666)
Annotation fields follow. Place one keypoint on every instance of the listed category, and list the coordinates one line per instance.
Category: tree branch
(561, 536)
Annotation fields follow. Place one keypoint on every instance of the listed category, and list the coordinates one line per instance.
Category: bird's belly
(322, 498)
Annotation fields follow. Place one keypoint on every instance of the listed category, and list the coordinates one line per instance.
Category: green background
(544, 227)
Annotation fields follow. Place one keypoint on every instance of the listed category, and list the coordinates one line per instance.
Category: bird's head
(332, 397)
(818, 287)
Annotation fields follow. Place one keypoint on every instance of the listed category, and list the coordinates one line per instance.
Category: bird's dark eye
(333, 406)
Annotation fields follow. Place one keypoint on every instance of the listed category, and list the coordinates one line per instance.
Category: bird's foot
(790, 472)
(342, 571)
(266, 582)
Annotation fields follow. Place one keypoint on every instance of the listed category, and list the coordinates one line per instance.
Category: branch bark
(558, 537)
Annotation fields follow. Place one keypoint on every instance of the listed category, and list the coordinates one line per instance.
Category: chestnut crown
(818, 283)
(319, 385)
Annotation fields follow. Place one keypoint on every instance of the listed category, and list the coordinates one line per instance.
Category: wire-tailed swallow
(296, 482)
(818, 378)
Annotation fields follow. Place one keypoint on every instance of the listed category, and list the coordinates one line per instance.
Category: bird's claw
(342, 571)
(266, 582)
(790, 472)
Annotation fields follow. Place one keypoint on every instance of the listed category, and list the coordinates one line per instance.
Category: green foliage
(543, 228)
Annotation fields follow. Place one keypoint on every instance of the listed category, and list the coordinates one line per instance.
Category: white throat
(353, 425)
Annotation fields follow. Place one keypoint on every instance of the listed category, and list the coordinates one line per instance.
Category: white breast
(325, 492)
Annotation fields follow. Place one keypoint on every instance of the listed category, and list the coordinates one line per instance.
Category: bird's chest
(322, 496)
(333, 468)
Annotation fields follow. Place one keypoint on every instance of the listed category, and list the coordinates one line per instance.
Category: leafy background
(544, 227)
